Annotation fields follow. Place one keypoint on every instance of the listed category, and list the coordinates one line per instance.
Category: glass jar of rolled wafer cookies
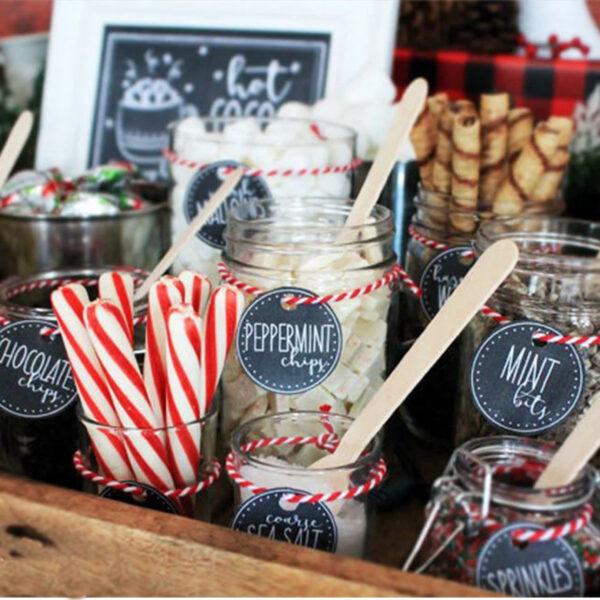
(314, 331)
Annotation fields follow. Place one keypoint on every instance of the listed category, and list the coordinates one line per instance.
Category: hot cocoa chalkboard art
(150, 77)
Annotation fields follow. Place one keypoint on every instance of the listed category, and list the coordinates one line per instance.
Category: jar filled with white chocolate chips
(314, 331)
(284, 158)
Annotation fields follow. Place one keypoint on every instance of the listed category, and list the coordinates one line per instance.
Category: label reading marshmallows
(286, 349)
(205, 183)
(306, 524)
(35, 373)
(537, 569)
(151, 499)
(523, 386)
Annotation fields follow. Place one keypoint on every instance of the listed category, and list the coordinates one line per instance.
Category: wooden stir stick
(190, 231)
(14, 144)
(478, 285)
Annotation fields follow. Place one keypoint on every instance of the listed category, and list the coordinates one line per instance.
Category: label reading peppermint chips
(522, 386)
(308, 525)
(151, 499)
(288, 350)
(537, 569)
(442, 276)
(35, 373)
(205, 183)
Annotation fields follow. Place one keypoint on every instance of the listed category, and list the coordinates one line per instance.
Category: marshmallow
(242, 131)
(294, 110)
(328, 109)
(369, 86)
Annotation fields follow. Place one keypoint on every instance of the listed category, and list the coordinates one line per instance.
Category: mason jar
(305, 355)
(284, 157)
(270, 480)
(38, 426)
(487, 526)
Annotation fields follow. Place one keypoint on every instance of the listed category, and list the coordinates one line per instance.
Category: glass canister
(487, 526)
(295, 350)
(529, 363)
(284, 157)
(272, 483)
(38, 426)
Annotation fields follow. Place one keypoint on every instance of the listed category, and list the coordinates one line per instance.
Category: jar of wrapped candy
(284, 158)
(278, 497)
(487, 526)
(314, 330)
(38, 427)
(529, 362)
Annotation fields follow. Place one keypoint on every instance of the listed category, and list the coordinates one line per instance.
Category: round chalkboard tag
(288, 350)
(205, 183)
(523, 386)
(308, 524)
(34, 370)
(152, 499)
(537, 569)
(441, 277)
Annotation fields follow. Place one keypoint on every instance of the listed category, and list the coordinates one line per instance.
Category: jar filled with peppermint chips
(284, 158)
(529, 360)
(314, 330)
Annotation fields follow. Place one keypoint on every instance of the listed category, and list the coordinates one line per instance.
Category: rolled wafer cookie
(494, 133)
(423, 136)
(442, 164)
(437, 103)
(520, 129)
(526, 170)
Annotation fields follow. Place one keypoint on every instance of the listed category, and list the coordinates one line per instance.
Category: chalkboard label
(151, 76)
(538, 569)
(522, 386)
(152, 499)
(442, 276)
(288, 350)
(34, 370)
(205, 183)
(308, 524)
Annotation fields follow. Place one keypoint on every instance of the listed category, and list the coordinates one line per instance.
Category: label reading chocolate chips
(152, 499)
(441, 277)
(287, 349)
(524, 386)
(205, 183)
(36, 376)
(537, 569)
(306, 524)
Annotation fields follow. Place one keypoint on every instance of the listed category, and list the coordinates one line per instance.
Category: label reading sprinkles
(152, 499)
(35, 373)
(522, 386)
(538, 569)
(307, 524)
(204, 184)
(288, 350)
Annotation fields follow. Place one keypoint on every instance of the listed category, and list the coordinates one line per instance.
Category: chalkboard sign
(150, 77)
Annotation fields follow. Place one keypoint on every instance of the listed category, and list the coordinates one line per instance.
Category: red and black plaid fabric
(547, 87)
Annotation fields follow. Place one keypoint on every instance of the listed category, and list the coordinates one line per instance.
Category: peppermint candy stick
(222, 317)
(118, 287)
(197, 289)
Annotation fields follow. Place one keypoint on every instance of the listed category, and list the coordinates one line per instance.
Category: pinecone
(478, 26)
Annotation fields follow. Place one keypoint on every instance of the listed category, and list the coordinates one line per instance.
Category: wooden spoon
(14, 144)
(478, 285)
(190, 231)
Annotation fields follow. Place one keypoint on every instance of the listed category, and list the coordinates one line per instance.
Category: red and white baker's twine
(213, 473)
(325, 440)
(174, 158)
(433, 244)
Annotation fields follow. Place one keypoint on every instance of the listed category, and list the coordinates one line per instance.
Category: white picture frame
(361, 33)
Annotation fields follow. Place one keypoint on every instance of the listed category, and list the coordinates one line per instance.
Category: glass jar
(286, 157)
(517, 384)
(438, 256)
(125, 457)
(278, 472)
(38, 426)
(484, 518)
(275, 244)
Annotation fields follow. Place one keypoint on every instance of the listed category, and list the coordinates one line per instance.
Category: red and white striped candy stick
(118, 288)
(223, 314)
(184, 392)
(164, 294)
(197, 290)
(146, 446)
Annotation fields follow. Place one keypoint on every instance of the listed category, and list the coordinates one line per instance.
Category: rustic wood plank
(55, 542)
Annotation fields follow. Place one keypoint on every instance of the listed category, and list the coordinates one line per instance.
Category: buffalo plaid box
(547, 87)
